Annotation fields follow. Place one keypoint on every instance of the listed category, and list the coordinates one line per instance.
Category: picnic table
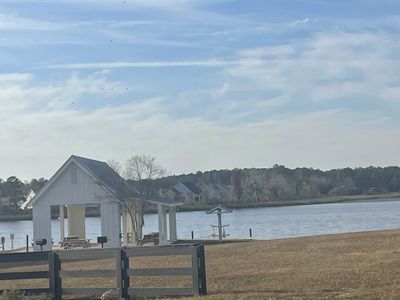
(152, 237)
(74, 242)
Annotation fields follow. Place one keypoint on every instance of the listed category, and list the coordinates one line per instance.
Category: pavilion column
(76, 220)
(129, 228)
(172, 224)
(62, 231)
(111, 223)
(41, 226)
(162, 225)
(125, 228)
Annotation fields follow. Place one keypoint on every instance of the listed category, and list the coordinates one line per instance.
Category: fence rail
(122, 271)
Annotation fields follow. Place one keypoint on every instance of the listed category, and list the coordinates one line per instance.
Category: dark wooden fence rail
(122, 271)
(27, 259)
(85, 255)
(196, 270)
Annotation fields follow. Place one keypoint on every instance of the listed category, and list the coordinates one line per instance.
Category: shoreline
(325, 200)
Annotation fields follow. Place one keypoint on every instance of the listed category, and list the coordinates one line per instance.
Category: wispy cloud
(20, 77)
(327, 65)
(19, 96)
(148, 64)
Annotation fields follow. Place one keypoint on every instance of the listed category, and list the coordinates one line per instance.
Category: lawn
(346, 266)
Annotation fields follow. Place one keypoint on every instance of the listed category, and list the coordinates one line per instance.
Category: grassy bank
(349, 266)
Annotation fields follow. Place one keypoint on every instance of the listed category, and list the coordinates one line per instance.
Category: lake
(265, 222)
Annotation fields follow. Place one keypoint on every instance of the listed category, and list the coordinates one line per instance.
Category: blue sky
(199, 84)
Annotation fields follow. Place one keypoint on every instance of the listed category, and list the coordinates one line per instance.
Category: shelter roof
(103, 173)
(166, 202)
(219, 209)
(100, 171)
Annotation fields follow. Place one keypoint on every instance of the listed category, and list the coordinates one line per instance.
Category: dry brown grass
(345, 266)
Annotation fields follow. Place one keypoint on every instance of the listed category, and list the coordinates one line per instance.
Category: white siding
(63, 191)
(42, 226)
(111, 223)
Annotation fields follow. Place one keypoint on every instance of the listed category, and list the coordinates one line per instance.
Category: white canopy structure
(78, 182)
(164, 207)
(219, 210)
(81, 181)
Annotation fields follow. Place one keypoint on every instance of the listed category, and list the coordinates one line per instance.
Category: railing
(196, 270)
(87, 255)
(122, 272)
(22, 260)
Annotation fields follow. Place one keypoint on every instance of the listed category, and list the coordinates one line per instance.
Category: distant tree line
(253, 185)
(13, 191)
(281, 183)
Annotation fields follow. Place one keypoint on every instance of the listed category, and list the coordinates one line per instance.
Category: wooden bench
(152, 237)
(74, 242)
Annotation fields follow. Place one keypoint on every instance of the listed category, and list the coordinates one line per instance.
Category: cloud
(325, 66)
(391, 94)
(146, 64)
(33, 114)
(269, 51)
(303, 91)
(321, 140)
(19, 77)
(15, 22)
(17, 95)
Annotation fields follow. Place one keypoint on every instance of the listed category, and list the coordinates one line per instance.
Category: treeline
(258, 184)
(13, 190)
(281, 183)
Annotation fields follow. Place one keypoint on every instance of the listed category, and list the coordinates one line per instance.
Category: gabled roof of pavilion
(99, 171)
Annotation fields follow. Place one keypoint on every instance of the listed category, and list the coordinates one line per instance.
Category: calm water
(266, 223)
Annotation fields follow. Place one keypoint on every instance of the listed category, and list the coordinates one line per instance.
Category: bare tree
(140, 171)
(143, 167)
(115, 165)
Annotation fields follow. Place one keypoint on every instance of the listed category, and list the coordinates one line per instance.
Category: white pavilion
(81, 181)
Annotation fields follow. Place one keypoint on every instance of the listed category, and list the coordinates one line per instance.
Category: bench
(152, 237)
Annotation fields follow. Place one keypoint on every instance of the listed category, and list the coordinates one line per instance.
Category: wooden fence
(122, 271)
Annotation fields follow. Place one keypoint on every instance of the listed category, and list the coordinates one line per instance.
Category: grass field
(344, 266)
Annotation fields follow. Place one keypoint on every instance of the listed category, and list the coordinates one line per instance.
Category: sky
(199, 84)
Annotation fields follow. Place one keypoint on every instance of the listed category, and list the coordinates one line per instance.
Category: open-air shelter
(81, 181)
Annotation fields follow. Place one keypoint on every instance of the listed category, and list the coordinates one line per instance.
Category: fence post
(122, 265)
(198, 271)
(195, 271)
(125, 277)
(55, 287)
(202, 270)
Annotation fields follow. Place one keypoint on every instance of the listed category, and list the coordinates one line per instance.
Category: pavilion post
(219, 225)
(111, 223)
(165, 224)
(41, 226)
(172, 224)
(125, 228)
(162, 224)
(76, 220)
(62, 231)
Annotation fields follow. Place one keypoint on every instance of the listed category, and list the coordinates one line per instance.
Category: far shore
(325, 200)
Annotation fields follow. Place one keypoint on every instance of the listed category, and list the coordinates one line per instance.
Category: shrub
(110, 295)
(19, 295)
(12, 295)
